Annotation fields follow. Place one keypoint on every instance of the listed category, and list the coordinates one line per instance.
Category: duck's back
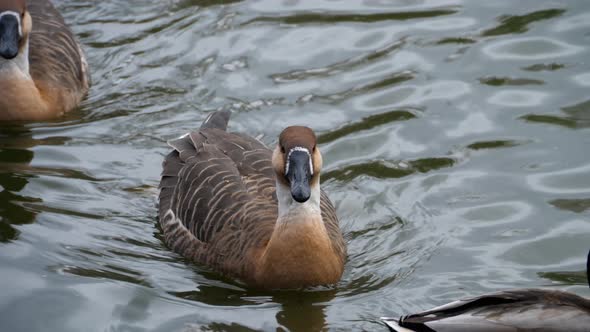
(56, 61)
(216, 188)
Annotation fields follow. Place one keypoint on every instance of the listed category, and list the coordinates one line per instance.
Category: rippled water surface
(455, 136)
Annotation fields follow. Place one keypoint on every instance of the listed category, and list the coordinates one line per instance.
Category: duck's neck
(291, 211)
(299, 252)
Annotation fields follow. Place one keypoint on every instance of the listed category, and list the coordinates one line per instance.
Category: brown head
(297, 161)
(15, 26)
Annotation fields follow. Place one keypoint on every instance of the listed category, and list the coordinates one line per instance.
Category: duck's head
(15, 26)
(297, 161)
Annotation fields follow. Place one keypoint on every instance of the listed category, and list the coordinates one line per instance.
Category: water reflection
(340, 67)
(518, 98)
(582, 79)
(474, 123)
(496, 213)
(527, 49)
(303, 312)
(137, 309)
(58, 305)
(15, 159)
(564, 181)
(573, 22)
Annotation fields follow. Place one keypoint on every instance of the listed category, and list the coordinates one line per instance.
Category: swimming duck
(43, 71)
(505, 311)
(229, 202)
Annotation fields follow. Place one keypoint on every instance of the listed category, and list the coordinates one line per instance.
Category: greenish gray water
(455, 137)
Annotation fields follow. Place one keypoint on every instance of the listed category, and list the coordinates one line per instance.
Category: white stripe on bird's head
(17, 16)
(301, 149)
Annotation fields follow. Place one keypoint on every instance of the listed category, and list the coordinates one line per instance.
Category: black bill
(9, 36)
(299, 175)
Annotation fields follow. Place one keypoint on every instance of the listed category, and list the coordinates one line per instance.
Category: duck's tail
(217, 119)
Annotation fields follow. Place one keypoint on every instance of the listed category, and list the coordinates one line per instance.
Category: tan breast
(297, 254)
(20, 100)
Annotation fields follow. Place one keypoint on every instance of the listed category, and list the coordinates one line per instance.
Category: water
(455, 138)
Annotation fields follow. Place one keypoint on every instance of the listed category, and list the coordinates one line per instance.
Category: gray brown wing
(251, 158)
(217, 197)
(332, 226)
(55, 56)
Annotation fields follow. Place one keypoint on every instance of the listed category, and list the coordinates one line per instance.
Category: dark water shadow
(517, 24)
(566, 277)
(497, 144)
(509, 81)
(538, 67)
(108, 272)
(386, 170)
(576, 117)
(456, 40)
(367, 123)
(179, 5)
(574, 205)
(219, 295)
(331, 18)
